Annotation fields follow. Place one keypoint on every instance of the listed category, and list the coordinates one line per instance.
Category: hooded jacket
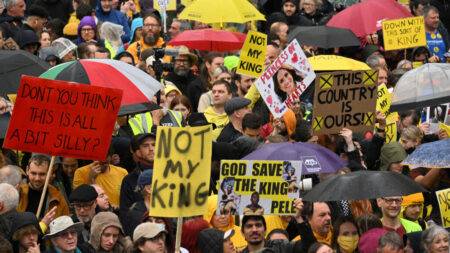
(99, 223)
(391, 153)
(116, 17)
(54, 198)
(135, 24)
(238, 239)
(221, 120)
(414, 199)
(86, 21)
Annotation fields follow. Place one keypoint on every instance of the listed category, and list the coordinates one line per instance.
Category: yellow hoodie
(413, 199)
(237, 239)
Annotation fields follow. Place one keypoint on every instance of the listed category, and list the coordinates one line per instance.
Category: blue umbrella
(430, 155)
(315, 158)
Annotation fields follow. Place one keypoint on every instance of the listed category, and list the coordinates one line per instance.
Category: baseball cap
(148, 230)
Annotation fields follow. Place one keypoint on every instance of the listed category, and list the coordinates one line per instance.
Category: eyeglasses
(86, 30)
(392, 201)
(150, 26)
(67, 233)
(184, 61)
(85, 206)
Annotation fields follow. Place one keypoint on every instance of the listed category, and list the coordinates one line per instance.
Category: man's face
(289, 9)
(412, 212)
(390, 207)
(66, 240)
(28, 240)
(69, 166)
(252, 133)
(432, 20)
(102, 198)
(127, 59)
(220, 94)
(254, 232)
(174, 29)
(419, 10)
(283, 33)
(254, 199)
(106, 5)
(39, 23)
(245, 83)
(321, 218)
(382, 77)
(146, 150)
(154, 245)
(36, 175)
(18, 10)
(182, 65)
(150, 31)
(215, 63)
(85, 211)
(109, 238)
(271, 55)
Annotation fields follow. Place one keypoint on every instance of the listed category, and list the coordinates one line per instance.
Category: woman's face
(228, 246)
(182, 109)
(222, 220)
(285, 81)
(87, 33)
(45, 40)
(440, 244)
(348, 229)
(138, 34)
(309, 6)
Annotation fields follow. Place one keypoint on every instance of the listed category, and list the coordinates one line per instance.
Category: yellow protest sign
(445, 127)
(443, 197)
(171, 5)
(391, 127)
(12, 98)
(186, 3)
(258, 187)
(181, 172)
(404, 33)
(253, 54)
(383, 99)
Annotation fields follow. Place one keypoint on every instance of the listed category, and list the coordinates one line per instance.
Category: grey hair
(10, 174)
(374, 61)
(391, 240)
(9, 3)
(9, 196)
(429, 234)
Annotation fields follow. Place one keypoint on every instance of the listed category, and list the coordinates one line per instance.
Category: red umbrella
(362, 18)
(209, 40)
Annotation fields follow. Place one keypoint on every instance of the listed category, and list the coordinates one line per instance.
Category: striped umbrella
(138, 87)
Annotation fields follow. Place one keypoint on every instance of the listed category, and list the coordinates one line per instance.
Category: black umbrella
(14, 64)
(324, 36)
(363, 185)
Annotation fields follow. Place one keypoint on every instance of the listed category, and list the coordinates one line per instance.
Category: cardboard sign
(181, 172)
(299, 77)
(404, 33)
(171, 5)
(258, 187)
(345, 99)
(253, 54)
(443, 198)
(63, 119)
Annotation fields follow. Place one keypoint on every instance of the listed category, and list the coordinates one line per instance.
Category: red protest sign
(63, 119)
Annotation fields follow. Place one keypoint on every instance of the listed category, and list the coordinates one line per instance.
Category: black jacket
(10, 25)
(194, 91)
(182, 82)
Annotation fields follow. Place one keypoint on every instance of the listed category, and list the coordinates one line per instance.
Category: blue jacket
(116, 17)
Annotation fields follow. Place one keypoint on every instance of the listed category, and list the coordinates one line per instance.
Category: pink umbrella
(209, 40)
(362, 18)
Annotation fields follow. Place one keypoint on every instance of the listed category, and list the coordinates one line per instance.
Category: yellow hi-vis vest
(142, 123)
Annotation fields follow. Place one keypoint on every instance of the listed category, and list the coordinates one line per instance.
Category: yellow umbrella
(221, 11)
(335, 62)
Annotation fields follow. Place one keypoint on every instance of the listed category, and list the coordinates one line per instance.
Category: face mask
(348, 243)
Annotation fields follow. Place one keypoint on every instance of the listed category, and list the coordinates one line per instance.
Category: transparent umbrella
(421, 87)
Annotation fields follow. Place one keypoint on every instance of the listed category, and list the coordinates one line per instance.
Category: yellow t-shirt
(110, 181)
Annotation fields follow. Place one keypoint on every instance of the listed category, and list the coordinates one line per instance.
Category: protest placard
(63, 119)
(384, 105)
(170, 5)
(443, 198)
(253, 54)
(404, 33)
(181, 172)
(345, 99)
(258, 187)
(285, 79)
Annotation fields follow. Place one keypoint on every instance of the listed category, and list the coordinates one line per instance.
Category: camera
(158, 66)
